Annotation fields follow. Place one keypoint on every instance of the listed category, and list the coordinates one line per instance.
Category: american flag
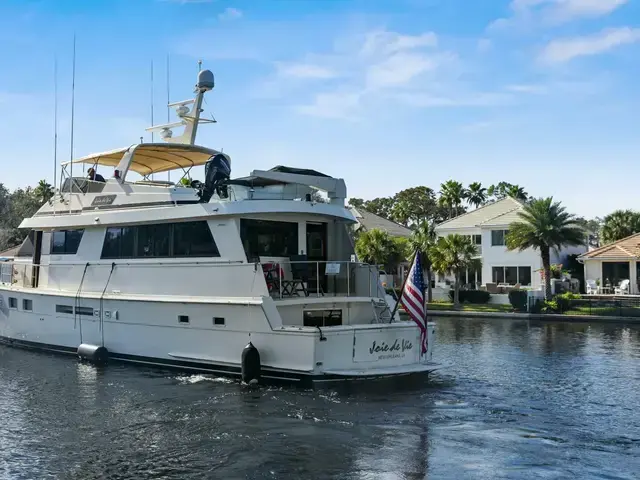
(412, 300)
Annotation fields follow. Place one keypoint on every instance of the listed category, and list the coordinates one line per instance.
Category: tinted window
(511, 275)
(269, 239)
(65, 242)
(193, 239)
(497, 237)
(118, 243)
(64, 309)
(524, 275)
(498, 274)
(153, 240)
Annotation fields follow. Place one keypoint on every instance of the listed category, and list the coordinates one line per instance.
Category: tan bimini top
(151, 158)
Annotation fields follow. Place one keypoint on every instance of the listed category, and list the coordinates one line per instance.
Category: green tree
(356, 203)
(20, 204)
(423, 239)
(543, 225)
(44, 191)
(375, 247)
(380, 206)
(412, 206)
(451, 196)
(620, 224)
(506, 189)
(453, 254)
(476, 194)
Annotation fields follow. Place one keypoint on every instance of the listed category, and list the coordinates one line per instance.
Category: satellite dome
(205, 80)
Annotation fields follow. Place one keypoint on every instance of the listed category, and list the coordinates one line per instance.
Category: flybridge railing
(283, 278)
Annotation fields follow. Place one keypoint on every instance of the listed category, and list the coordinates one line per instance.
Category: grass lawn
(471, 307)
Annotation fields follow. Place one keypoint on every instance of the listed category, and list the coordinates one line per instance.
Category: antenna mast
(152, 134)
(168, 108)
(73, 107)
(55, 121)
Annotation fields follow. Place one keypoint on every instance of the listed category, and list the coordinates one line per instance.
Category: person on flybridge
(96, 177)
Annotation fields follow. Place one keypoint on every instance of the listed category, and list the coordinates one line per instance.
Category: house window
(269, 239)
(68, 309)
(524, 276)
(13, 302)
(497, 274)
(219, 321)
(512, 275)
(498, 237)
(27, 305)
(188, 239)
(65, 242)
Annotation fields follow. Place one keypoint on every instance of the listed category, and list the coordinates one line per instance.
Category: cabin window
(193, 239)
(88, 311)
(118, 242)
(65, 242)
(188, 239)
(13, 302)
(183, 318)
(322, 318)
(269, 239)
(68, 309)
(153, 240)
(218, 321)
(27, 305)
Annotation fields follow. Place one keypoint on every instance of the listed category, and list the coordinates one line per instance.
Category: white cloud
(528, 13)
(305, 70)
(332, 105)
(230, 14)
(398, 69)
(565, 49)
(426, 100)
(528, 89)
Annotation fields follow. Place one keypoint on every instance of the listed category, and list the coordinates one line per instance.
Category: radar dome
(205, 80)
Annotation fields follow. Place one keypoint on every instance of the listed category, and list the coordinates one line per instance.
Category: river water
(517, 400)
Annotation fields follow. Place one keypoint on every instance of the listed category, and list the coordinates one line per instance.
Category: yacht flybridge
(252, 276)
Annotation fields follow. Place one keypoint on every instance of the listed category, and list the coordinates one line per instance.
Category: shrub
(472, 296)
(518, 300)
(563, 301)
(549, 306)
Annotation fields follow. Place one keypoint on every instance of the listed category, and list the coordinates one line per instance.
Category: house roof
(625, 249)
(500, 213)
(370, 221)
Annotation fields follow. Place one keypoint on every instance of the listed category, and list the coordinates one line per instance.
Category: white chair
(623, 288)
(591, 287)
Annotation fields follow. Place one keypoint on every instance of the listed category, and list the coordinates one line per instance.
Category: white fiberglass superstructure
(188, 276)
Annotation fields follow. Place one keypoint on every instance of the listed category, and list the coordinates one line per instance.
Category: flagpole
(395, 309)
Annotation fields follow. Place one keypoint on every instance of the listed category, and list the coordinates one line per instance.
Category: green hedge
(518, 300)
(472, 296)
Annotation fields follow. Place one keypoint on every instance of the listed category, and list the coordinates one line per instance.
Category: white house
(487, 227)
(608, 266)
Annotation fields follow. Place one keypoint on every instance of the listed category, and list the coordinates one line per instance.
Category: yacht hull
(208, 337)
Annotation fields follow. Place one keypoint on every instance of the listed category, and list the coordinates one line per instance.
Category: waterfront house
(487, 226)
(610, 265)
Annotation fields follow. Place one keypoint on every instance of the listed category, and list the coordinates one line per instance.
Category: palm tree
(451, 195)
(620, 224)
(545, 224)
(375, 247)
(517, 192)
(453, 254)
(43, 192)
(423, 239)
(476, 194)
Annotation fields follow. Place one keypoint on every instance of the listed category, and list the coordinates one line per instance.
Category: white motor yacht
(253, 277)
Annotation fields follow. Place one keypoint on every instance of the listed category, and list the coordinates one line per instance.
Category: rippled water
(518, 400)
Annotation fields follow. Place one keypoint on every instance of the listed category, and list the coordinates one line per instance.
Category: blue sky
(386, 94)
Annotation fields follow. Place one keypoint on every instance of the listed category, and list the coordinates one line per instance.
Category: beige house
(613, 263)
